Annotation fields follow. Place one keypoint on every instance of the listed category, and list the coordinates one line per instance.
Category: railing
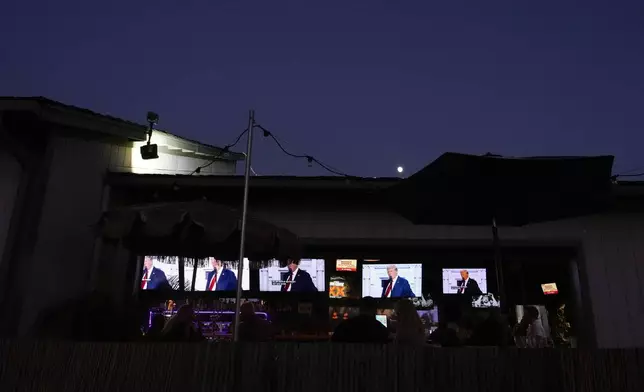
(285, 367)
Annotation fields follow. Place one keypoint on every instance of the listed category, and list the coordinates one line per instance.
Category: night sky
(363, 85)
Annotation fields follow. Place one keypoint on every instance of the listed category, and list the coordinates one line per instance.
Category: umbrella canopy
(459, 189)
(195, 229)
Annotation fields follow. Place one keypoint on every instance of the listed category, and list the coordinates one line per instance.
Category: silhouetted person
(252, 328)
(409, 326)
(445, 336)
(180, 328)
(363, 328)
(529, 330)
(490, 332)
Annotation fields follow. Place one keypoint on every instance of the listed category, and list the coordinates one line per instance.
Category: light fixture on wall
(150, 151)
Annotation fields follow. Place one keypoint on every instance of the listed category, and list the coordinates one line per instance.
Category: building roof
(77, 117)
(622, 188)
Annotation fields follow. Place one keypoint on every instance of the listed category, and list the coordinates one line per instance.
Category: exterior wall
(128, 159)
(613, 250)
(63, 258)
(10, 176)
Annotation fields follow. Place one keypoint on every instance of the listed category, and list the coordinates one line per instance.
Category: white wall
(128, 159)
(613, 247)
(10, 175)
(63, 256)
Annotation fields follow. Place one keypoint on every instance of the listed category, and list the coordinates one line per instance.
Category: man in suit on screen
(297, 280)
(153, 278)
(467, 286)
(220, 278)
(396, 286)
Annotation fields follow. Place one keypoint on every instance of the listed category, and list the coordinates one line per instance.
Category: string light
(310, 159)
(223, 152)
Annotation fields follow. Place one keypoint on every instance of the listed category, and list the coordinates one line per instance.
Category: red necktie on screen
(213, 281)
(144, 280)
(288, 284)
(460, 291)
(388, 288)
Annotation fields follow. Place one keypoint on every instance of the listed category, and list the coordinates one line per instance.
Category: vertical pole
(240, 266)
(182, 274)
(194, 274)
(496, 244)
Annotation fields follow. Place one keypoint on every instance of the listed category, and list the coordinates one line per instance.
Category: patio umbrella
(199, 229)
(195, 229)
(468, 190)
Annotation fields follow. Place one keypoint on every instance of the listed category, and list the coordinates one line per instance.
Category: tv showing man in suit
(396, 286)
(220, 278)
(297, 276)
(465, 281)
(296, 279)
(392, 280)
(153, 278)
(467, 285)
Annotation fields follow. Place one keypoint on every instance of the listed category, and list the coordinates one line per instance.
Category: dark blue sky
(363, 85)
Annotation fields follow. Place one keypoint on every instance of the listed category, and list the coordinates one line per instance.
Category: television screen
(469, 281)
(392, 280)
(214, 274)
(343, 286)
(160, 273)
(346, 265)
(308, 276)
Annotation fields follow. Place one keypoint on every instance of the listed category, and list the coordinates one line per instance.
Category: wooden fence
(53, 366)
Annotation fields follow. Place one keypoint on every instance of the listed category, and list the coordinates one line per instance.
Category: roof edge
(77, 117)
(231, 181)
(623, 188)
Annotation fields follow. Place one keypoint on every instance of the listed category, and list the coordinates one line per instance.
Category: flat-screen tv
(162, 273)
(214, 274)
(392, 280)
(467, 281)
(304, 276)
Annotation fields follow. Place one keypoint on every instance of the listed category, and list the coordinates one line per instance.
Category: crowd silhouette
(96, 318)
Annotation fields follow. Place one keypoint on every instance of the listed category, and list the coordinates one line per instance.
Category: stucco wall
(613, 250)
(62, 261)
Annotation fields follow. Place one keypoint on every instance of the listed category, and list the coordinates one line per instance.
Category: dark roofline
(228, 181)
(50, 110)
(623, 188)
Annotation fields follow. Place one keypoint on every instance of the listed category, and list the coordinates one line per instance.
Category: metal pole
(496, 244)
(240, 267)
